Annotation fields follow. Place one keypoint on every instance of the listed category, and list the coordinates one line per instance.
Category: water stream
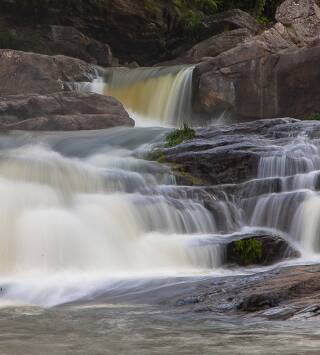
(84, 214)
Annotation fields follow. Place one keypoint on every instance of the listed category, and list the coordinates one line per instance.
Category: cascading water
(153, 96)
(85, 205)
(79, 210)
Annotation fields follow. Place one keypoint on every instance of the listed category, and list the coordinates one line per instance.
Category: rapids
(82, 211)
(87, 222)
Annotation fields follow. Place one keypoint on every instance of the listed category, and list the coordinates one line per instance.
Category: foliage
(156, 155)
(249, 250)
(192, 12)
(179, 135)
(313, 116)
(43, 7)
(8, 38)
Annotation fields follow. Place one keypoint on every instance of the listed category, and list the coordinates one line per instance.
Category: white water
(153, 96)
(65, 220)
(79, 212)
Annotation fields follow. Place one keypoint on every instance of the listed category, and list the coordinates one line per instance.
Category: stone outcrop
(61, 111)
(273, 74)
(212, 47)
(69, 41)
(22, 72)
(145, 31)
(228, 154)
(224, 31)
(259, 249)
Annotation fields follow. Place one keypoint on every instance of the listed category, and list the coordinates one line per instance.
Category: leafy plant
(180, 135)
(313, 116)
(248, 250)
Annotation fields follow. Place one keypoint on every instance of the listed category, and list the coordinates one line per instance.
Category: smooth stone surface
(62, 111)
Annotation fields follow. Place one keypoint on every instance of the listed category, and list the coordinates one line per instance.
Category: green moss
(156, 155)
(186, 177)
(179, 135)
(313, 116)
(249, 251)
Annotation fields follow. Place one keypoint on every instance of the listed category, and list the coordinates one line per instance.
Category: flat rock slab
(61, 111)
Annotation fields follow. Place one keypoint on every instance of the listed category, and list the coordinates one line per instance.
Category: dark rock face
(212, 47)
(22, 72)
(223, 31)
(68, 41)
(61, 111)
(271, 75)
(231, 20)
(143, 31)
(260, 249)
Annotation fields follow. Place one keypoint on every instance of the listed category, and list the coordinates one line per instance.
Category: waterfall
(87, 204)
(153, 96)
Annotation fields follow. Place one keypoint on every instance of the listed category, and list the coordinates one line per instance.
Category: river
(95, 238)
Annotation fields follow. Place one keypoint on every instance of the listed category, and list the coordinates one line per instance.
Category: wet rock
(225, 154)
(61, 111)
(22, 72)
(255, 303)
(259, 249)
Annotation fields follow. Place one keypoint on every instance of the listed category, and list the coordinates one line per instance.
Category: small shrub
(249, 251)
(179, 135)
(315, 116)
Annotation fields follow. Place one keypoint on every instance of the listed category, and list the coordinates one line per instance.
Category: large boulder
(212, 47)
(69, 41)
(301, 21)
(277, 85)
(22, 72)
(274, 74)
(259, 249)
(61, 111)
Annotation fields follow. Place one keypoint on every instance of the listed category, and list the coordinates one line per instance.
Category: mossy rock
(179, 136)
(259, 250)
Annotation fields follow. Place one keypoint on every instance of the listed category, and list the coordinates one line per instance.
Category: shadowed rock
(62, 111)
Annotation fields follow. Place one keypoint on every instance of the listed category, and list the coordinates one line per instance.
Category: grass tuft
(180, 135)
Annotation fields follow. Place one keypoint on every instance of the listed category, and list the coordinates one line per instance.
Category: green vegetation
(156, 155)
(192, 12)
(7, 37)
(249, 251)
(313, 116)
(179, 135)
